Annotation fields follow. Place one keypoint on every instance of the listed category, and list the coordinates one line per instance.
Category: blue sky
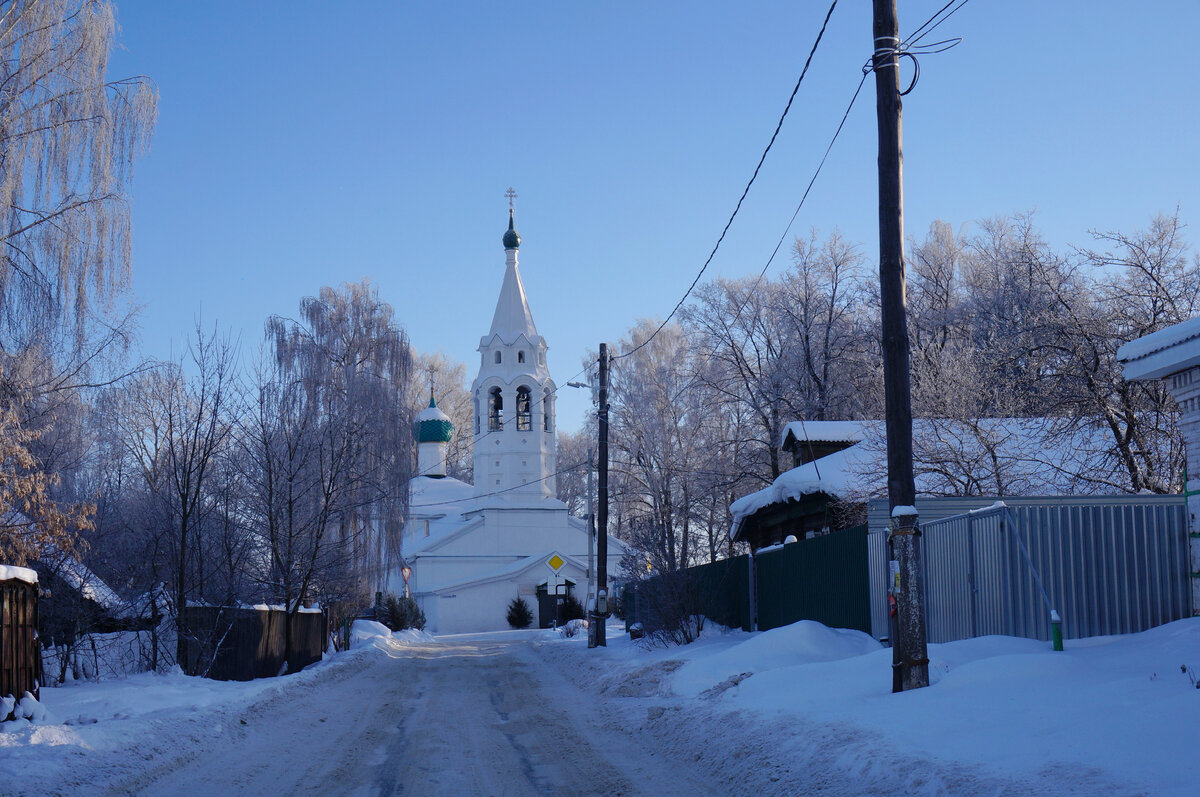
(303, 144)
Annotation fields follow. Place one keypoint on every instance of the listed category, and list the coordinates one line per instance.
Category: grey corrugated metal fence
(1109, 565)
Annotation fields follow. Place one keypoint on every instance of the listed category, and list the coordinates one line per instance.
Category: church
(471, 549)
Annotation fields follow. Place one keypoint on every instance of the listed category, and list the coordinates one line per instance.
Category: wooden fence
(20, 656)
(234, 644)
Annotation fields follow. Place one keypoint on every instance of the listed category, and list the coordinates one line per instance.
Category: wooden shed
(20, 655)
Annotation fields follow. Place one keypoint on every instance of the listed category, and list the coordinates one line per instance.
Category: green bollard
(1056, 629)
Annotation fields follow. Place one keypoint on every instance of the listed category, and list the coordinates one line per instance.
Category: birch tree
(353, 365)
(68, 139)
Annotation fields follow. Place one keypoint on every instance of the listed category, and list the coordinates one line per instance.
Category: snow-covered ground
(801, 709)
(1111, 715)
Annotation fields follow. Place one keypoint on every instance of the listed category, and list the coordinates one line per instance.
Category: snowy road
(472, 716)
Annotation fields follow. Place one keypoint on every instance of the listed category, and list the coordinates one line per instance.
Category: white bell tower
(514, 397)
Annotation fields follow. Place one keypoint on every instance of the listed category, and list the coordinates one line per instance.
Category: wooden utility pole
(602, 496)
(910, 662)
(591, 573)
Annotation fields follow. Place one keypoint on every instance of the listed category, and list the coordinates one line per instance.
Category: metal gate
(1108, 565)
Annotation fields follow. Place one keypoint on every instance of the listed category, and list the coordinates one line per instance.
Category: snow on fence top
(12, 572)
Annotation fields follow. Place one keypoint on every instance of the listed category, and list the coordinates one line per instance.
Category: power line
(476, 439)
(804, 197)
(925, 29)
(505, 490)
(745, 191)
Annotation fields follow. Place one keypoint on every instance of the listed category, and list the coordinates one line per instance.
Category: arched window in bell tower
(521, 356)
(477, 413)
(546, 425)
(524, 411)
(495, 409)
(497, 358)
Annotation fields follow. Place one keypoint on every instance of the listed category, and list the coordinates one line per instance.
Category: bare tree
(176, 424)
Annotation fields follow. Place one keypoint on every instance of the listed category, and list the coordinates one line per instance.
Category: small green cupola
(433, 425)
(511, 239)
(433, 430)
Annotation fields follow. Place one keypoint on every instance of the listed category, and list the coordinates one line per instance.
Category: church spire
(512, 316)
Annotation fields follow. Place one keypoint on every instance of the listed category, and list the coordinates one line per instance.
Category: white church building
(473, 548)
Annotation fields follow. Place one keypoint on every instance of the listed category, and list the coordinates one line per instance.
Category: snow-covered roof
(429, 496)
(89, 585)
(827, 431)
(14, 573)
(1033, 455)
(1162, 353)
(832, 474)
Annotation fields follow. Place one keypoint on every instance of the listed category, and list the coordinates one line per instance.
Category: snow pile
(370, 634)
(800, 643)
(27, 709)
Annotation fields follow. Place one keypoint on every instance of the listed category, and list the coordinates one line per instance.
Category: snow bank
(368, 633)
(1115, 713)
(800, 643)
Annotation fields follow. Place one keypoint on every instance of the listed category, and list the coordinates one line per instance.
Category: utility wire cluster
(910, 47)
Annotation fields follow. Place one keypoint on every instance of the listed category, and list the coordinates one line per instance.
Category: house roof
(1035, 455)
(825, 432)
(1162, 353)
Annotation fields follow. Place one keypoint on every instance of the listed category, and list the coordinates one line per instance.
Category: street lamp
(406, 571)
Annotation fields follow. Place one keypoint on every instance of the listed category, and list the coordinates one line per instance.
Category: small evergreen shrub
(401, 613)
(519, 614)
(572, 609)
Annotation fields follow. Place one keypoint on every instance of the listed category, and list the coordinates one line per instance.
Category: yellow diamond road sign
(555, 562)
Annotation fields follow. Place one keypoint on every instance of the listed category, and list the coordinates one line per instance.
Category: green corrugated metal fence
(822, 579)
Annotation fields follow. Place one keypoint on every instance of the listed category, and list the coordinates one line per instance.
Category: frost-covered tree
(448, 380)
(68, 138)
(343, 373)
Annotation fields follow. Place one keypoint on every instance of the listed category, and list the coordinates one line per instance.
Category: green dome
(433, 425)
(511, 239)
